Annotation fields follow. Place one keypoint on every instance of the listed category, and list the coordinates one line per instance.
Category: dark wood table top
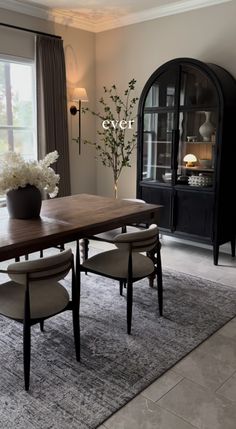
(65, 219)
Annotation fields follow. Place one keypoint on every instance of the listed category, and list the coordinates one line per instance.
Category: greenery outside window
(18, 107)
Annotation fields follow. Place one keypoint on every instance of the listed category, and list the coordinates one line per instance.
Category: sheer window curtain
(52, 106)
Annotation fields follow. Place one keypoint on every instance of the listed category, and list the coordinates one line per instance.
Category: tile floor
(200, 391)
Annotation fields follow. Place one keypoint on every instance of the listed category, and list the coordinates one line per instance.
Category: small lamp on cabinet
(79, 96)
(190, 160)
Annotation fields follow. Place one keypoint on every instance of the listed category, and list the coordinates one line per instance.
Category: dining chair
(34, 293)
(127, 264)
(61, 247)
(108, 236)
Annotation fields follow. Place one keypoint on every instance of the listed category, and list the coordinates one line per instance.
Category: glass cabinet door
(197, 129)
(196, 89)
(157, 144)
(163, 92)
(158, 123)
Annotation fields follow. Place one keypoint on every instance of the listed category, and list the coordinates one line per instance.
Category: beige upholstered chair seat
(129, 263)
(114, 263)
(34, 294)
(44, 300)
(109, 236)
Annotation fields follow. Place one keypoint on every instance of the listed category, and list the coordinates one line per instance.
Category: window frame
(23, 61)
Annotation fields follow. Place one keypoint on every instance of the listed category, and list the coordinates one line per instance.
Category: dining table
(65, 219)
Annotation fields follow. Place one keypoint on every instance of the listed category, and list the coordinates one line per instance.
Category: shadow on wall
(72, 70)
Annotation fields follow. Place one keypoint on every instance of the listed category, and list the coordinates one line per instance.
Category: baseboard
(224, 248)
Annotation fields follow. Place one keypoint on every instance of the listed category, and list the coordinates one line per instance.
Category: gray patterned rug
(65, 394)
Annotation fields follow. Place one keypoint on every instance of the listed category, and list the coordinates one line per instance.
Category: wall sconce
(79, 96)
(190, 160)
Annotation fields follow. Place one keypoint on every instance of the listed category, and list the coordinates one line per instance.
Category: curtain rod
(28, 30)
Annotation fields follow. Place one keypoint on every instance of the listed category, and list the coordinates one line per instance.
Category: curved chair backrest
(55, 267)
(140, 241)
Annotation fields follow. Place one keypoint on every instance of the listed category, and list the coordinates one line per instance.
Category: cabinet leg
(216, 253)
(233, 247)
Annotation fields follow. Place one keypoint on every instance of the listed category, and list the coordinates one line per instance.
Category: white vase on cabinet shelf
(206, 129)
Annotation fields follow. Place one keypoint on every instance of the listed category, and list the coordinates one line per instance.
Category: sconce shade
(80, 94)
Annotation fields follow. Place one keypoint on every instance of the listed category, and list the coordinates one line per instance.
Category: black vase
(24, 203)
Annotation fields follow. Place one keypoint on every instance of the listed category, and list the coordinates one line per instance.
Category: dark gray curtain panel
(52, 106)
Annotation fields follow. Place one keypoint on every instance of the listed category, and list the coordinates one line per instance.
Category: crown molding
(25, 8)
(59, 16)
(71, 19)
(158, 12)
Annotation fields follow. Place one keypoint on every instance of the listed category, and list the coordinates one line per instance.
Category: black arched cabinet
(187, 150)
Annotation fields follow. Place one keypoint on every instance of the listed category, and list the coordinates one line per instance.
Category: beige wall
(79, 48)
(207, 34)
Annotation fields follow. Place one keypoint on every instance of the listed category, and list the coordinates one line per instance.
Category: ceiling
(100, 15)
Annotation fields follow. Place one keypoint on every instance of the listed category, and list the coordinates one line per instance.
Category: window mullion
(9, 106)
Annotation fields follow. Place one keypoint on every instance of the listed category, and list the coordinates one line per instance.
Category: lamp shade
(80, 94)
(190, 158)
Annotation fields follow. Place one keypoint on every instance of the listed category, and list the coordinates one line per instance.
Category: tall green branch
(115, 144)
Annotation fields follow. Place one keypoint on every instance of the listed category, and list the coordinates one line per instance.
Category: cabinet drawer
(193, 213)
(159, 196)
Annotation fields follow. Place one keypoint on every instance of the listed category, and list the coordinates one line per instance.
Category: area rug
(114, 367)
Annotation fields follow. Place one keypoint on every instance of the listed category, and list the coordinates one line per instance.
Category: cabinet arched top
(216, 81)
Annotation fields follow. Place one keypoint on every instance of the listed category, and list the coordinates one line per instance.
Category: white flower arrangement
(16, 173)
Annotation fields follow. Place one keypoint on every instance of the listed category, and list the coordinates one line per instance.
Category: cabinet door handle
(172, 150)
(171, 213)
(176, 149)
(172, 208)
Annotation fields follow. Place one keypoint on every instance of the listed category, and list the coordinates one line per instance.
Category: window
(17, 107)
